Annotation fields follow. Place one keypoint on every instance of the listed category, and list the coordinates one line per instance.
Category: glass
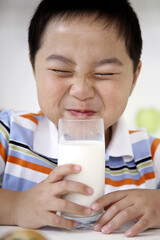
(82, 142)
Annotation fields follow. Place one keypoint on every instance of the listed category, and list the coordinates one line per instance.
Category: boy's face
(83, 70)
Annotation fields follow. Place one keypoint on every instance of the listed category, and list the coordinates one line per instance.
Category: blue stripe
(5, 116)
(18, 132)
(141, 149)
(4, 141)
(16, 183)
(151, 138)
(115, 162)
(38, 117)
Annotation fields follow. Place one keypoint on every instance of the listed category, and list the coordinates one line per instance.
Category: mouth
(81, 113)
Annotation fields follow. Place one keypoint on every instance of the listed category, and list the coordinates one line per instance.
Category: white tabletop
(61, 234)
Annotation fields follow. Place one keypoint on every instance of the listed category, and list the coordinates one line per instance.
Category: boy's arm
(8, 199)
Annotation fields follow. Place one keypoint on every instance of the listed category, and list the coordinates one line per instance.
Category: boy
(86, 61)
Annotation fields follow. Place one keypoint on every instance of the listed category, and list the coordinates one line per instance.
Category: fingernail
(77, 168)
(97, 227)
(128, 233)
(87, 211)
(106, 229)
(95, 206)
(89, 190)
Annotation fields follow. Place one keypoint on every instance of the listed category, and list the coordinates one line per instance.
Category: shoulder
(18, 125)
(8, 117)
(155, 147)
(140, 136)
(142, 140)
(5, 117)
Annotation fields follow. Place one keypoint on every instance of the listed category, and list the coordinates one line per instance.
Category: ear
(135, 77)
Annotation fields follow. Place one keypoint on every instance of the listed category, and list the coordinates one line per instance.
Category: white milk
(90, 155)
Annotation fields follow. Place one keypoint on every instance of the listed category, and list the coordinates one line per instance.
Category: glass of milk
(82, 142)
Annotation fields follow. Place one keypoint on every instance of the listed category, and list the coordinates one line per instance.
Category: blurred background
(17, 84)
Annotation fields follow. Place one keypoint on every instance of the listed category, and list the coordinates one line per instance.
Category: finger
(66, 186)
(61, 171)
(61, 205)
(58, 221)
(140, 226)
(108, 199)
(111, 212)
(121, 218)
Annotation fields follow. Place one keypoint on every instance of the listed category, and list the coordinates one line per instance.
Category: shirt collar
(119, 146)
(45, 140)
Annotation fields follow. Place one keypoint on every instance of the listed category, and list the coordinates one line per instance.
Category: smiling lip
(86, 113)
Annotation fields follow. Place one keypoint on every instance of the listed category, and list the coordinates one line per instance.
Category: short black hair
(114, 13)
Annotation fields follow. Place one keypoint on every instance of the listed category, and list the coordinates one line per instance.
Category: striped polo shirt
(28, 153)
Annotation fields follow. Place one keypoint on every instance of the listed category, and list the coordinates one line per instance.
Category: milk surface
(90, 155)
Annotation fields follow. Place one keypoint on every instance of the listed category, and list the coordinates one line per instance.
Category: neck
(108, 134)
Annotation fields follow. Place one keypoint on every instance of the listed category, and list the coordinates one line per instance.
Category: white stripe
(23, 122)
(138, 136)
(25, 173)
(149, 184)
(156, 165)
(2, 165)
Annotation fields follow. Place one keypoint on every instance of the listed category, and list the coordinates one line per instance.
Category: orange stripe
(135, 131)
(31, 117)
(131, 131)
(3, 152)
(29, 165)
(130, 181)
(154, 146)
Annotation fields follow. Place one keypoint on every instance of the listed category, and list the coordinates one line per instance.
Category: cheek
(50, 95)
(116, 92)
(110, 94)
(50, 90)
(115, 98)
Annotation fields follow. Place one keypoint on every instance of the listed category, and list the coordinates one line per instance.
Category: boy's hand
(37, 206)
(142, 205)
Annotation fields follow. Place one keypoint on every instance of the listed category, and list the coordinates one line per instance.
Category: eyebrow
(60, 58)
(113, 60)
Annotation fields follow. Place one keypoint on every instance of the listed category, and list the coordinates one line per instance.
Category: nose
(82, 89)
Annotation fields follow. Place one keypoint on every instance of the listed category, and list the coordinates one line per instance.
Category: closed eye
(60, 71)
(104, 74)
